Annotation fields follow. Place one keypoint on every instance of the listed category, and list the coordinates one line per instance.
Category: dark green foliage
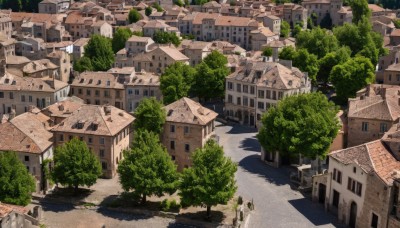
(83, 64)
(16, 183)
(310, 23)
(285, 29)
(326, 22)
(304, 124)
(120, 37)
(209, 81)
(352, 76)
(99, 51)
(317, 41)
(391, 4)
(211, 179)
(147, 168)
(267, 52)
(21, 5)
(134, 16)
(158, 7)
(75, 165)
(176, 82)
(360, 9)
(296, 30)
(150, 116)
(162, 37)
(148, 11)
(301, 59)
(329, 61)
(179, 3)
(137, 33)
(396, 23)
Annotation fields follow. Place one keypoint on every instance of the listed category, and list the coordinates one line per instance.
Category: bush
(167, 205)
(240, 200)
(174, 205)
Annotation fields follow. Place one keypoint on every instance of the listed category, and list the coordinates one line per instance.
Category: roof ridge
(98, 108)
(26, 135)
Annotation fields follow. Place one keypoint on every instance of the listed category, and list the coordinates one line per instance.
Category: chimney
(107, 110)
(2, 67)
(61, 107)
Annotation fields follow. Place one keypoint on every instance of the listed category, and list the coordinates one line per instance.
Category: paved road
(276, 204)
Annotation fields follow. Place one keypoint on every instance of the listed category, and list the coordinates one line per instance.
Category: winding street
(276, 204)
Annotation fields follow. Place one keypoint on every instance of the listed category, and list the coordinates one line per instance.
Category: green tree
(211, 179)
(157, 7)
(329, 61)
(360, 9)
(285, 29)
(162, 37)
(16, 184)
(304, 124)
(396, 23)
(148, 11)
(119, 39)
(288, 53)
(209, 80)
(176, 82)
(137, 33)
(326, 21)
(147, 168)
(179, 3)
(301, 59)
(75, 165)
(134, 16)
(267, 51)
(296, 30)
(83, 64)
(310, 23)
(21, 5)
(351, 76)
(150, 116)
(317, 41)
(99, 51)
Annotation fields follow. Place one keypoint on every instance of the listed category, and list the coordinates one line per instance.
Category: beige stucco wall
(88, 94)
(355, 134)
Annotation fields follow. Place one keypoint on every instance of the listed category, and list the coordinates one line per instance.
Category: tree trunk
(208, 212)
(144, 199)
(76, 188)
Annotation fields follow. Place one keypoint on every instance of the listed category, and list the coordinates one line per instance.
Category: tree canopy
(162, 37)
(351, 76)
(360, 9)
(83, 64)
(267, 52)
(330, 60)
(157, 7)
(16, 183)
(209, 81)
(120, 37)
(301, 59)
(21, 5)
(75, 165)
(285, 29)
(150, 115)
(317, 41)
(176, 82)
(147, 168)
(148, 11)
(305, 124)
(100, 53)
(211, 179)
(134, 16)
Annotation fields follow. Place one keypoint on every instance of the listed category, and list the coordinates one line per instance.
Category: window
(90, 140)
(245, 101)
(88, 92)
(374, 221)
(61, 138)
(354, 186)
(22, 98)
(136, 92)
(130, 91)
(230, 85)
(104, 165)
(1, 94)
(172, 145)
(260, 93)
(252, 103)
(390, 77)
(26, 158)
(274, 95)
(261, 105)
(97, 93)
(11, 95)
(238, 87)
(172, 128)
(173, 158)
(102, 141)
(383, 127)
(101, 154)
(186, 130)
(268, 94)
(280, 95)
(187, 147)
(245, 88)
(252, 90)
(336, 197)
(364, 126)
(230, 98)
(80, 91)
(238, 101)
(337, 176)
(395, 200)
(30, 99)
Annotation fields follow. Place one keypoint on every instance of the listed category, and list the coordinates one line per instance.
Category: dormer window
(82, 80)
(40, 87)
(90, 81)
(98, 82)
(7, 81)
(95, 126)
(108, 83)
(80, 124)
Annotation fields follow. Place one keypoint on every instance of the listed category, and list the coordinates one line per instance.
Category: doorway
(353, 215)
(321, 193)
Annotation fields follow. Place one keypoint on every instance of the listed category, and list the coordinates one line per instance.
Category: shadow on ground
(56, 207)
(119, 215)
(315, 213)
(277, 176)
(250, 144)
(240, 129)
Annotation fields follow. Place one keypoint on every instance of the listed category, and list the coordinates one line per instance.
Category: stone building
(188, 126)
(291, 13)
(40, 69)
(153, 26)
(256, 86)
(391, 75)
(260, 37)
(79, 47)
(29, 137)
(372, 113)
(328, 8)
(99, 88)
(360, 185)
(59, 111)
(54, 6)
(63, 60)
(105, 129)
(141, 85)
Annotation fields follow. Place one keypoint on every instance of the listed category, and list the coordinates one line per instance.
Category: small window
(354, 169)
(102, 141)
(186, 129)
(26, 158)
(1, 94)
(172, 128)
(61, 138)
(364, 126)
(187, 147)
(172, 145)
(90, 140)
(374, 221)
(101, 153)
(383, 127)
(104, 165)
(173, 158)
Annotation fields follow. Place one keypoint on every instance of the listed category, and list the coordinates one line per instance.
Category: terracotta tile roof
(27, 132)
(5, 210)
(375, 8)
(144, 78)
(90, 115)
(11, 82)
(394, 67)
(264, 31)
(39, 65)
(372, 157)
(139, 39)
(270, 74)
(81, 42)
(63, 108)
(395, 32)
(97, 80)
(36, 17)
(14, 60)
(188, 111)
(156, 24)
(211, 4)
